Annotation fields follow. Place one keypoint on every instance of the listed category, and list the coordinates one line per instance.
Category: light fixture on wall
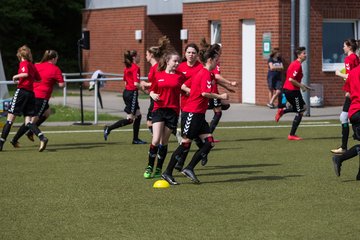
(138, 35)
(184, 34)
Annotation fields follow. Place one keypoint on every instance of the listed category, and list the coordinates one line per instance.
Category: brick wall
(276, 21)
(112, 31)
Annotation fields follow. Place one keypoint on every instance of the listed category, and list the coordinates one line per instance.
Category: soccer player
(23, 101)
(214, 103)
(130, 97)
(292, 92)
(165, 91)
(50, 75)
(193, 122)
(351, 61)
(189, 67)
(153, 54)
(351, 86)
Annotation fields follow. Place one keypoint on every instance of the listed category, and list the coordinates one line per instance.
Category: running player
(292, 92)
(130, 97)
(193, 122)
(165, 91)
(351, 86)
(215, 104)
(189, 67)
(351, 61)
(50, 75)
(153, 54)
(23, 101)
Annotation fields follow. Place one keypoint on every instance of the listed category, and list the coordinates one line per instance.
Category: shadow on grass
(70, 146)
(248, 139)
(228, 173)
(257, 178)
(238, 166)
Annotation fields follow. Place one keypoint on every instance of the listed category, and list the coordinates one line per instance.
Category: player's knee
(209, 142)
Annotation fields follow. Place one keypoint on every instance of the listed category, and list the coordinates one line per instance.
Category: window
(215, 32)
(334, 34)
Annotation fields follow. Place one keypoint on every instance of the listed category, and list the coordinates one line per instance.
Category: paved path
(113, 104)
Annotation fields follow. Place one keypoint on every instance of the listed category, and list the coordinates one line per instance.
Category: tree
(45, 24)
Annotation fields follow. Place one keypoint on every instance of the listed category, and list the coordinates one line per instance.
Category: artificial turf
(257, 185)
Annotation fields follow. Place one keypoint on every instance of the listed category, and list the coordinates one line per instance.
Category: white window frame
(215, 32)
(332, 67)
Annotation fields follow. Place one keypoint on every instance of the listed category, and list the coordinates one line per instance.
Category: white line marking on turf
(314, 124)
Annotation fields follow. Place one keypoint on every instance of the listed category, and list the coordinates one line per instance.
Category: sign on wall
(266, 45)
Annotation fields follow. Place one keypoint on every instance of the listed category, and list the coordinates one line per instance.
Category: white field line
(315, 124)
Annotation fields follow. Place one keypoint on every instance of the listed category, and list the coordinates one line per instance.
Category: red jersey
(152, 72)
(33, 75)
(188, 71)
(50, 75)
(168, 86)
(131, 76)
(295, 72)
(351, 62)
(215, 71)
(353, 87)
(202, 82)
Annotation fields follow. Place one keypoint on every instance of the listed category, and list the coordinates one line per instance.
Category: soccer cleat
(106, 132)
(43, 144)
(190, 174)
(148, 172)
(15, 144)
(339, 150)
(170, 179)
(30, 136)
(157, 173)
(216, 140)
(294, 138)
(204, 160)
(279, 114)
(337, 165)
(138, 141)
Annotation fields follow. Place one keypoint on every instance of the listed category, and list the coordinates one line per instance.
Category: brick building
(242, 27)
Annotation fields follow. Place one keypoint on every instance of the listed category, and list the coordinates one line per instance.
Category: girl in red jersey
(351, 61)
(352, 86)
(215, 104)
(165, 91)
(23, 101)
(189, 68)
(153, 54)
(130, 97)
(292, 92)
(193, 122)
(50, 75)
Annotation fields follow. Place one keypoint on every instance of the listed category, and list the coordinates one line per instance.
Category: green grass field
(257, 185)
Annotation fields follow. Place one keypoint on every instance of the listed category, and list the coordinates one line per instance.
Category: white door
(248, 61)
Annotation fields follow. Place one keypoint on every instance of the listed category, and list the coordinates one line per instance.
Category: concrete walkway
(114, 105)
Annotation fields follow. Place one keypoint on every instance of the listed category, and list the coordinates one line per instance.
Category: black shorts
(355, 122)
(23, 103)
(274, 81)
(213, 103)
(151, 107)
(193, 125)
(346, 105)
(41, 105)
(131, 101)
(295, 98)
(166, 115)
